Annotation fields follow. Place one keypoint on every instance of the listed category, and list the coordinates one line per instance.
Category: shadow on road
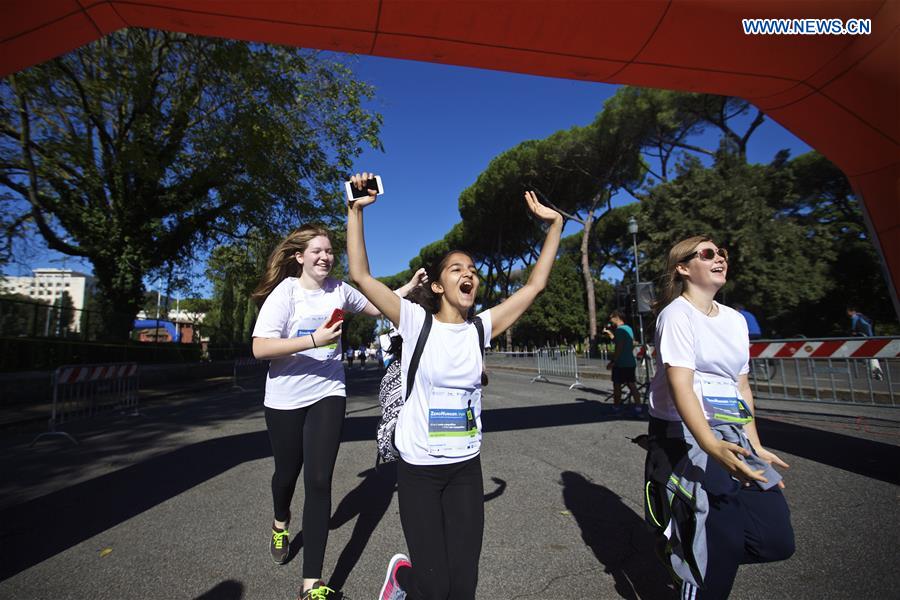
(78, 512)
(857, 455)
(618, 538)
(368, 502)
(227, 590)
(82, 510)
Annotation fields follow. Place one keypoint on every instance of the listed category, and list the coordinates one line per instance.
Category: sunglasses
(706, 254)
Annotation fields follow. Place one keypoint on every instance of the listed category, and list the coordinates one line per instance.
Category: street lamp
(633, 230)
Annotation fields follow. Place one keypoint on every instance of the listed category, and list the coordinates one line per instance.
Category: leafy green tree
(358, 329)
(585, 167)
(773, 265)
(63, 315)
(22, 315)
(559, 314)
(824, 204)
(142, 148)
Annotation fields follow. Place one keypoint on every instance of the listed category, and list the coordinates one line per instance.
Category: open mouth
(718, 269)
(466, 287)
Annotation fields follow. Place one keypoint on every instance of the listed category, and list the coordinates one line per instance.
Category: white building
(48, 285)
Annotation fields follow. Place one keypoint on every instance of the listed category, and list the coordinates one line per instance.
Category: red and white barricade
(857, 347)
(83, 391)
(859, 370)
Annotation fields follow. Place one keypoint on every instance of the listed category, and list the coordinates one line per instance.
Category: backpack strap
(480, 327)
(417, 354)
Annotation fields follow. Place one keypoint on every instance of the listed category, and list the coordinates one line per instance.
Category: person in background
(861, 325)
(623, 363)
(350, 354)
(755, 331)
(361, 355)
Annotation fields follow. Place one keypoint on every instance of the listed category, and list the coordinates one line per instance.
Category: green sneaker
(280, 545)
(320, 591)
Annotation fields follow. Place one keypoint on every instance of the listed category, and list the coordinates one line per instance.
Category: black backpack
(392, 399)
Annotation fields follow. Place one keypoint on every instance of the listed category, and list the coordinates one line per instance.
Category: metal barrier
(247, 368)
(854, 370)
(82, 391)
(561, 362)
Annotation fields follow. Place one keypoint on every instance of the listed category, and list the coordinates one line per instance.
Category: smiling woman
(438, 431)
(305, 396)
(712, 491)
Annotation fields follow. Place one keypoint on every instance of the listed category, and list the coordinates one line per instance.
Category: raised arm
(377, 293)
(505, 314)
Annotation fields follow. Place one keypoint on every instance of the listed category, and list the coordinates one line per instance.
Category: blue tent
(169, 326)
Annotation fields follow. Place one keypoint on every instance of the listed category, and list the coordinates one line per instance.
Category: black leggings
(312, 433)
(442, 512)
(744, 525)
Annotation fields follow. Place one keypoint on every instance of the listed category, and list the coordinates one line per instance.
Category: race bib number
(454, 422)
(722, 401)
(308, 326)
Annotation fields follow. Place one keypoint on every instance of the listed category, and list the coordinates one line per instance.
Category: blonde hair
(672, 283)
(282, 264)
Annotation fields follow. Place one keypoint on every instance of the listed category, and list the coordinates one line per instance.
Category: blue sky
(442, 126)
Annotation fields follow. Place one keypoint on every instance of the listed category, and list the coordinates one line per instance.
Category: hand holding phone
(370, 182)
(336, 315)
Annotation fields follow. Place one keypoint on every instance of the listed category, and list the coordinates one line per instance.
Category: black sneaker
(320, 591)
(280, 545)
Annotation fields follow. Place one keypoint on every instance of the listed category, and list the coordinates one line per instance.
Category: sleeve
(412, 317)
(488, 326)
(274, 314)
(354, 301)
(676, 339)
(621, 337)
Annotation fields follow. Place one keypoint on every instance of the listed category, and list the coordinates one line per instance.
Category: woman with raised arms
(438, 432)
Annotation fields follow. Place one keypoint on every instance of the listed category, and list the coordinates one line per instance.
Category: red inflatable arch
(839, 93)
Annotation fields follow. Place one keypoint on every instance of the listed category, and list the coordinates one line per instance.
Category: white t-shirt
(716, 348)
(291, 311)
(441, 420)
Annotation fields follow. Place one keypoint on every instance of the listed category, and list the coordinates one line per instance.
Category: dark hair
(415, 296)
(429, 300)
(617, 314)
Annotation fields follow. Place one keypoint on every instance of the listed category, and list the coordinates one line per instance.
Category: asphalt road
(176, 503)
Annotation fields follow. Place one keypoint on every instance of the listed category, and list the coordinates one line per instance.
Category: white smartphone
(371, 184)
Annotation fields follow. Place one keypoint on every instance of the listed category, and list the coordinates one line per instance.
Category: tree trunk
(588, 279)
(120, 297)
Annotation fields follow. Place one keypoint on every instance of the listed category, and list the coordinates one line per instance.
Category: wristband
(313, 340)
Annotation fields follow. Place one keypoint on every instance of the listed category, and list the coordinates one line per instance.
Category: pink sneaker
(391, 589)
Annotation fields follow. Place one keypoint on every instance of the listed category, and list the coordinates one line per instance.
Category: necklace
(712, 305)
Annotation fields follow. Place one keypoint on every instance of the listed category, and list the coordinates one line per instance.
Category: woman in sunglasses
(711, 490)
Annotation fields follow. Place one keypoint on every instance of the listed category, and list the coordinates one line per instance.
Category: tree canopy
(141, 148)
